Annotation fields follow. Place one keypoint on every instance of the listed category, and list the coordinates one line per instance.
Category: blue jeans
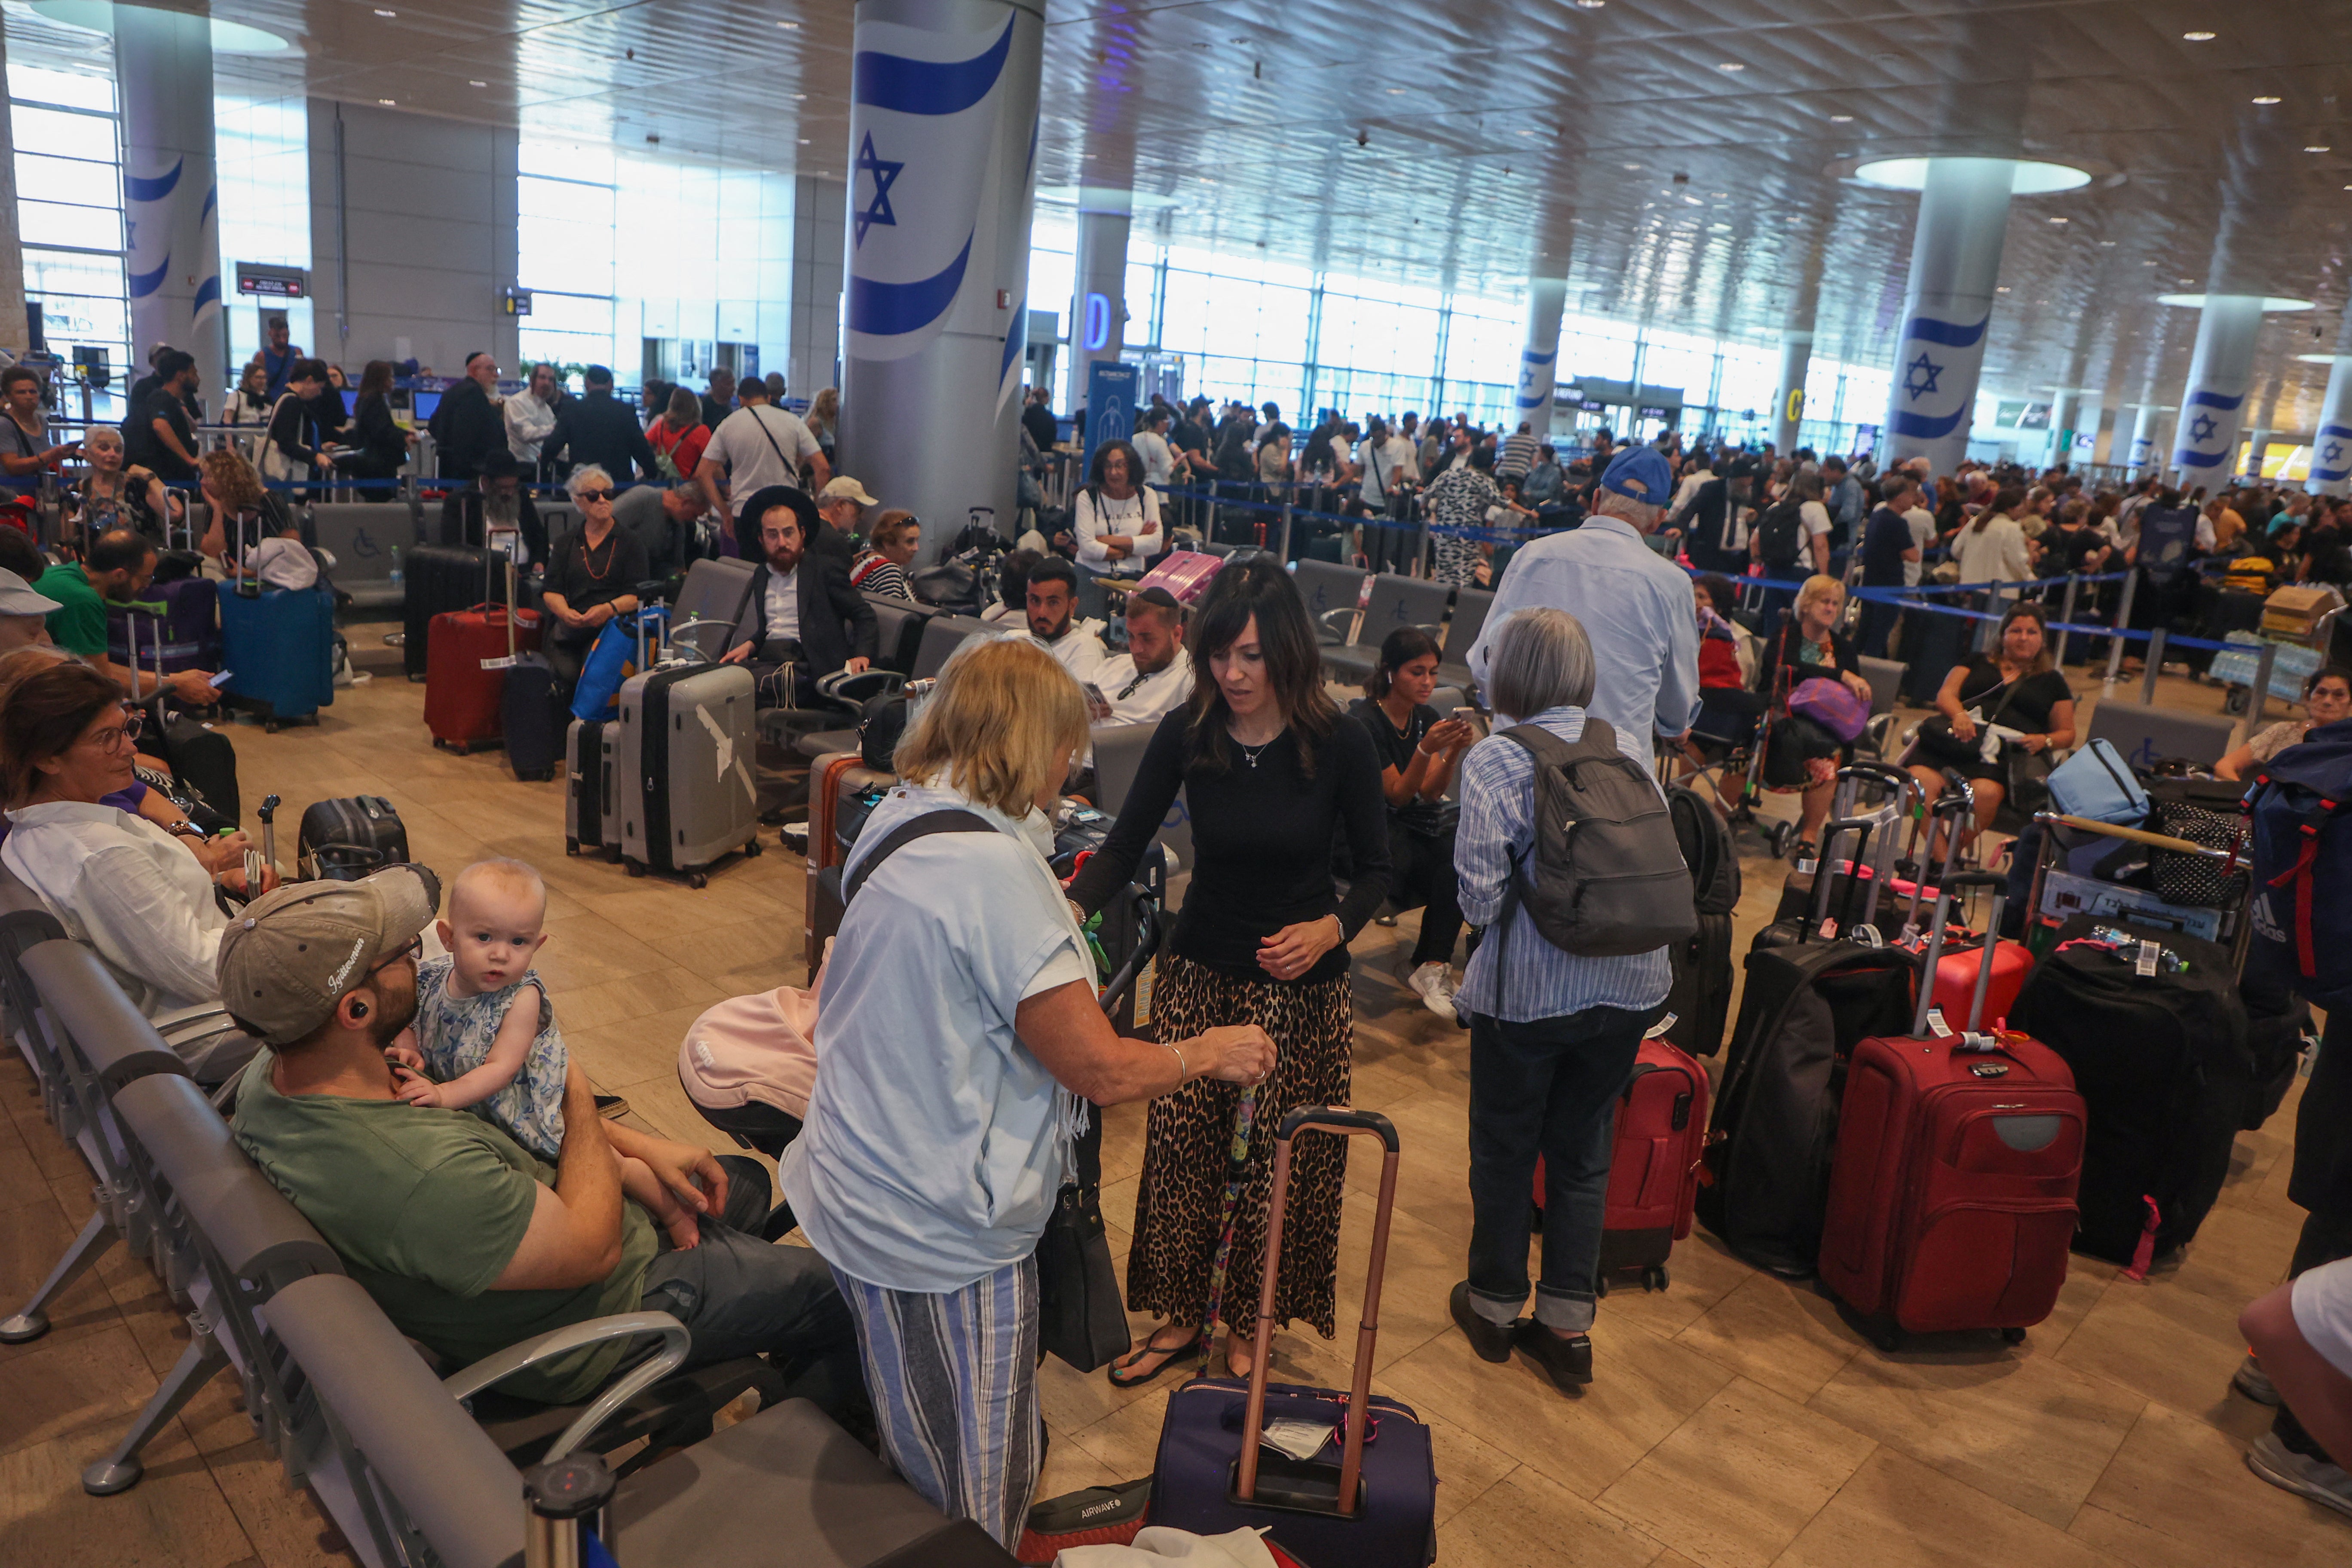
(1548, 1086)
(741, 1296)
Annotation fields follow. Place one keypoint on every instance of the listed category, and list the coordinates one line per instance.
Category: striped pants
(953, 1378)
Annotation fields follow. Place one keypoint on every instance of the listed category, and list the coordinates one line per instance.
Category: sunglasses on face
(415, 946)
(595, 495)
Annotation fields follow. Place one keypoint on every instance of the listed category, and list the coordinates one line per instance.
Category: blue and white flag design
(166, 239)
(2207, 436)
(1537, 373)
(2331, 455)
(923, 133)
(1935, 386)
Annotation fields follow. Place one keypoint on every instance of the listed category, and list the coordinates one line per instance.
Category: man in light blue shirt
(1845, 502)
(1634, 605)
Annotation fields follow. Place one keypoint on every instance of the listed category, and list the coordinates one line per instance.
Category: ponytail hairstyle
(1398, 648)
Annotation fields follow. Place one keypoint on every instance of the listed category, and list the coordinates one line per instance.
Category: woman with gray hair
(593, 573)
(1552, 1035)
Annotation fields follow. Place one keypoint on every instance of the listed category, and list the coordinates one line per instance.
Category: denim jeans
(739, 1296)
(1548, 1086)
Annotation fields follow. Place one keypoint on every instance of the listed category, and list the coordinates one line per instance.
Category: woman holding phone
(1418, 750)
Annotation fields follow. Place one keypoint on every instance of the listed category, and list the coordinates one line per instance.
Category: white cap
(18, 597)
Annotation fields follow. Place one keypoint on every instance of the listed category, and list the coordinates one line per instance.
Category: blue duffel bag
(2303, 864)
(2097, 784)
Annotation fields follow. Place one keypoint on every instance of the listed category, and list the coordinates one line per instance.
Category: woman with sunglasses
(592, 573)
(120, 885)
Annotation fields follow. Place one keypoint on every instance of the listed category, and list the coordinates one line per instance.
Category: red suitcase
(1952, 1190)
(461, 697)
(1956, 977)
(1653, 1168)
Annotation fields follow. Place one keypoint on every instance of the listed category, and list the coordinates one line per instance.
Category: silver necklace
(1250, 756)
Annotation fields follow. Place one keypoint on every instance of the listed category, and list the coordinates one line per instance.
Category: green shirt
(427, 1207)
(79, 623)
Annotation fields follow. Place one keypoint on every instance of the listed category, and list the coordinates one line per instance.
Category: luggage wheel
(1885, 1336)
(2013, 1336)
(571, 846)
(697, 881)
(1655, 1278)
(636, 869)
(1782, 836)
(270, 726)
(754, 848)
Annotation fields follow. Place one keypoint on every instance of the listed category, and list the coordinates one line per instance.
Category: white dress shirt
(783, 602)
(1144, 699)
(1079, 650)
(126, 890)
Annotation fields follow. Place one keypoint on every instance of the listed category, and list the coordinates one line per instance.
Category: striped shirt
(1497, 785)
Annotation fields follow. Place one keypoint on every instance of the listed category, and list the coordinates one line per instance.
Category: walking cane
(1236, 1172)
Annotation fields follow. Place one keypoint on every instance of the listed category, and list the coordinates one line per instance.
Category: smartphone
(1097, 705)
(222, 678)
(1465, 714)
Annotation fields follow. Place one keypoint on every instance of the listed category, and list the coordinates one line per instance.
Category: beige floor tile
(2028, 1430)
(174, 1518)
(2241, 1251)
(620, 1055)
(739, 945)
(621, 1001)
(86, 1388)
(1466, 1465)
(283, 1520)
(1527, 1518)
(2176, 1346)
(1898, 1513)
(1423, 1263)
(2087, 1282)
(1644, 1388)
(2178, 1495)
(32, 1239)
(1699, 1276)
(585, 951)
(1787, 1337)
(1070, 1468)
(22, 1182)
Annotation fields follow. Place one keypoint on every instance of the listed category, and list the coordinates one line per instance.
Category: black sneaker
(1492, 1340)
(1569, 1361)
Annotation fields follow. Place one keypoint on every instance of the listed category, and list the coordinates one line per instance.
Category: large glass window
(69, 168)
(261, 149)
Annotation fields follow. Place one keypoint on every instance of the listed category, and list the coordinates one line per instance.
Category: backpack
(1780, 534)
(1607, 876)
(2302, 907)
(1706, 847)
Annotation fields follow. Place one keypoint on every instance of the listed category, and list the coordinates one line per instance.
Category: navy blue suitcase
(1365, 1501)
(533, 720)
(278, 651)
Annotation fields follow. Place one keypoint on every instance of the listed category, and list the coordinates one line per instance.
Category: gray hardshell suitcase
(588, 817)
(683, 749)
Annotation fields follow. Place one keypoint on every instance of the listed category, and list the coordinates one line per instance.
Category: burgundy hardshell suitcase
(1366, 1503)
(467, 655)
(1952, 1193)
(1653, 1163)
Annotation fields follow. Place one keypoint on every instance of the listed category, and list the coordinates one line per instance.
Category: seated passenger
(120, 885)
(250, 527)
(1418, 747)
(1154, 675)
(116, 568)
(881, 566)
(2327, 699)
(1013, 588)
(1990, 710)
(805, 620)
(592, 574)
(1052, 600)
(468, 1243)
(1808, 646)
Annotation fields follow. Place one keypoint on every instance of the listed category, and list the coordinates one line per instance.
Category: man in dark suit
(600, 429)
(467, 426)
(803, 614)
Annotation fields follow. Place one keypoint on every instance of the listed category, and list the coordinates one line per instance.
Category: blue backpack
(2302, 906)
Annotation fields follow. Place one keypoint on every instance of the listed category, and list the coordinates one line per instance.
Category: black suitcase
(201, 757)
(534, 725)
(348, 838)
(1700, 999)
(440, 578)
(584, 783)
(2166, 1069)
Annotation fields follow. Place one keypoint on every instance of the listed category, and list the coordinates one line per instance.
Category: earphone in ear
(359, 1009)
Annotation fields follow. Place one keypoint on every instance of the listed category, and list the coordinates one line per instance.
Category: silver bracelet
(1184, 1071)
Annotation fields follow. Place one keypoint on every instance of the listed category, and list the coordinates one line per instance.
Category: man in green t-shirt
(468, 1243)
(116, 569)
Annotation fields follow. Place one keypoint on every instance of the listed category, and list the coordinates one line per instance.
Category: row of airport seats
(413, 1463)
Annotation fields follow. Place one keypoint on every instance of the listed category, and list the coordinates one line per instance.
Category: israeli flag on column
(1935, 386)
(924, 105)
(2143, 451)
(2208, 438)
(2331, 455)
(1536, 380)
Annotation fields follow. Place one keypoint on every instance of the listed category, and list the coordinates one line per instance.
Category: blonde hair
(519, 878)
(1004, 708)
(1817, 588)
(234, 481)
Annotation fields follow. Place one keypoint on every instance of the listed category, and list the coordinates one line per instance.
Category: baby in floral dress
(486, 1036)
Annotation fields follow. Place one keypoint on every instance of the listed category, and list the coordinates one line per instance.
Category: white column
(1955, 267)
(2331, 447)
(2213, 402)
(1540, 353)
(819, 212)
(1098, 299)
(942, 149)
(12, 250)
(164, 79)
(2142, 455)
(1788, 393)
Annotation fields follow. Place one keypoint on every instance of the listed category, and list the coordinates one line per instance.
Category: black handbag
(1080, 1315)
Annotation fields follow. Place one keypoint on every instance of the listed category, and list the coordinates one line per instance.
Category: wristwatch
(183, 829)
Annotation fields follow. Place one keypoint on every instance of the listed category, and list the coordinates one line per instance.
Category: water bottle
(397, 578)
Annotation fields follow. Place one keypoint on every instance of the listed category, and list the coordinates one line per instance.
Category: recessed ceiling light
(1720, 227)
(2003, 288)
(2267, 98)
(1732, 66)
(1630, 165)
(2318, 149)
(1590, 4)
(2107, 244)
(382, 11)
(2151, 263)
(2199, 37)
(799, 97)
(804, 140)
(1841, 119)
(478, 84)
(2185, 282)
(2057, 220)
(790, 26)
(387, 102)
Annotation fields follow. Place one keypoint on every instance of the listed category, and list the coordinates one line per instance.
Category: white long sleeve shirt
(1095, 516)
(123, 887)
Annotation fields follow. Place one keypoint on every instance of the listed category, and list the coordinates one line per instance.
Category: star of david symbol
(884, 172)
(2335, 453)
(2200, 429)
(1919, 376)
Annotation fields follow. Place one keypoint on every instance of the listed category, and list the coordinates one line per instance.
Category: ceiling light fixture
(2199, 37)
(388, 103)
(2267, 98)
(1732, 66)
(2028, 177)
(1629, 166)
(382, 11)
(2001, 289)
(2319, 149)
(804, 140)
(790, 26)
(478, 84)
(1841, 119)
(2058, 220)
(799, 97)
(2196, 302)
(1590, 4)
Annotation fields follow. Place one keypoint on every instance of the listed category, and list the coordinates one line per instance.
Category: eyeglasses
(416, 945)
(595, 495)
(112, 741)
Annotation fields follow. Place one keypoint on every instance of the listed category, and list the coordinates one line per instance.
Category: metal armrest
(493, 1369)
(859, 688)
(178, 1024)
(1340, 623)
(693, 630)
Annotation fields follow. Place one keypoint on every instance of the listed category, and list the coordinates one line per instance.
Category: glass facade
(69, 184)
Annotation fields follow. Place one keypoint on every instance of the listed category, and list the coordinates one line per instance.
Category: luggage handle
(1860, 827)
(1342, 1122)
(267, 812)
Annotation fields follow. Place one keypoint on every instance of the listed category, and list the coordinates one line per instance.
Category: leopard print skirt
(1188, 1151)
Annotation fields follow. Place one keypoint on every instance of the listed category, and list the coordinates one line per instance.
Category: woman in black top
(1272, 773)
(592, 573)
(2019, 691)
(292, 449)
(1809, 647)
(382, 444)
(1418, 750)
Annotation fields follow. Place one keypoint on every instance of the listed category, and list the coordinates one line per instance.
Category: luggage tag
(1658, 1029)
(2150, 954)
(1936, 1024)
(1293, 1439)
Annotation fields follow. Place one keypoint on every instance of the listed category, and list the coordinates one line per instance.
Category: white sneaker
(2322, 1482)
(2255, 1384)
(1435, 983)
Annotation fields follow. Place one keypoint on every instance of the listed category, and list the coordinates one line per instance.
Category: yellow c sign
(1796, 403)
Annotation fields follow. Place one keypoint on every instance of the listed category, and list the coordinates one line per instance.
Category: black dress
(1421, 836)
(2025, 708)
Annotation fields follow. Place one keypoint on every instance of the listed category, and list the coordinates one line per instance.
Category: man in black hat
(494, 501)
(1715, 520)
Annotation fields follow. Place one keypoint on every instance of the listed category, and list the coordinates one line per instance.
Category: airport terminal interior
(1878, 323)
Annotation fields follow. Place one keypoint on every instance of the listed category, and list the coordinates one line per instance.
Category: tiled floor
(1736, 1422)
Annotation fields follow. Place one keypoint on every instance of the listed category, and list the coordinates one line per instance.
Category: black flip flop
(1174, 1355)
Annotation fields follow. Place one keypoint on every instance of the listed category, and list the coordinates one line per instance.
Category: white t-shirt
(783, 604)
(1079, 650)
(1992, 551)
(1144, 699)
(1923, 534)
(1689, 487)
(1159, 462)
(935, 1141)
(1094, 515)
(1339, 456)
(283, 563)
(1394, 462)
(760, 445)
(1812, 522)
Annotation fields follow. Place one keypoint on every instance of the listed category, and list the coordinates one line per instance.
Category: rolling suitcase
(185, 613)
(437, 578)
(588, 773)
(1700, 999)
(534, 725)
(345, 840)
(470, 655)
(683, 790)
(278, 647)
(1363, 1503)
(1952, 1193)
(2158, 1049)
(1653, 1161)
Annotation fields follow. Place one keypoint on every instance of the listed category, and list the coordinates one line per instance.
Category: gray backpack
(1607, 878)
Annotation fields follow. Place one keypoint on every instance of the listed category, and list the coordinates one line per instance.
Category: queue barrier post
(2155, 664)
(2115, 638)
(2066, 616)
